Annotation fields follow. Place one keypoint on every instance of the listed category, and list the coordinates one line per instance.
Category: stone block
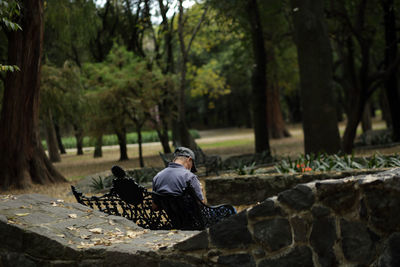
(11, 236)
(320, 211)
(300, 197)
(237, 260)
(300, 228)
(322, 239)
(10, 259)
(231, 232)
(169, 263)
(358, 242)
(338, 195)
(296, 257)
(390, 256)
(265, 209)
(197, 242)
(273, 233)
(381, 202)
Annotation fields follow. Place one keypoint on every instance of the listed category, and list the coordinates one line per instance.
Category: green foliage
(9, 11)
(123, 90)
(70, 27)
(62, 93)
(207, 81)
(97, 184)
(246, 170)
(325, 162)
(9, 68)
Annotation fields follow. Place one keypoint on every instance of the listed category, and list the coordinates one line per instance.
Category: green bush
(324, 162)
(111, 139)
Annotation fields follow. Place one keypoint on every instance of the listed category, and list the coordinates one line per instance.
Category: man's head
(186, 157)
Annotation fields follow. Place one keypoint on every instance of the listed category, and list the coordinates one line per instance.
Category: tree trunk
(22, 158)
(183, 135)
(366, 121)
(51, 138)
(353, 120)
(78, 132)
(139, 134)
(98, 152)
(391, 84)
(276, 124)
(384, 105)
(161, 125)
(259, 81)
(321, 132)
(164, 139)
(123, 151)
(59, 139)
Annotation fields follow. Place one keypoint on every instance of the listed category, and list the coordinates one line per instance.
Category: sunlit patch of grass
(228, 143)
(75, 178)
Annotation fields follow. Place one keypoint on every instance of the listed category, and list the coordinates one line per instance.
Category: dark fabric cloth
(173, 180)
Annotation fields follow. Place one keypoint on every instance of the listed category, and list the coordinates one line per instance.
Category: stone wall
(250, 189)
(339, 222)
(346, 222)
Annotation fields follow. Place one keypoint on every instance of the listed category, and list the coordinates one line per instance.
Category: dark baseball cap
(186, 152)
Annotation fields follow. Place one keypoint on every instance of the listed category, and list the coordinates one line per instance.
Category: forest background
(122, 66)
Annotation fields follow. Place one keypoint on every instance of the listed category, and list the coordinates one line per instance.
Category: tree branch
(377, 78)
(196, 30)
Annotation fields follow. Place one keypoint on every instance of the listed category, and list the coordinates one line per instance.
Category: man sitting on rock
(173, 179)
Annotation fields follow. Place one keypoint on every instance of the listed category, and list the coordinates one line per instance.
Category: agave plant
(325, 162)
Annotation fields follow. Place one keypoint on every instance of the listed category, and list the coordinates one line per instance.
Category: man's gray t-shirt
(173, 179)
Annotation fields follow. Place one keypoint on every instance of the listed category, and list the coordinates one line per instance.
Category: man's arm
(197, 188)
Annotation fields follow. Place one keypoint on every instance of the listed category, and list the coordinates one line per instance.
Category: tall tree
(321, 133)
(276, 35)
(361, 74)
(22, 158)
(259, 80)
(50, 97)
(181, 132)
(247, 15)
(391, 83)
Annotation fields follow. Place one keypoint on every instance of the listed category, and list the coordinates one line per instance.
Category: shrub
(324, 162)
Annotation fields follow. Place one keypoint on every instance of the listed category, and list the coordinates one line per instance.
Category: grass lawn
(224, 142)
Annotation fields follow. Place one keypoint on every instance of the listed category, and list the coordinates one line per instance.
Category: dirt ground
(224, 142)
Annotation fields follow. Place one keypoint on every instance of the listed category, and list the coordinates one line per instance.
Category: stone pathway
(46, 229)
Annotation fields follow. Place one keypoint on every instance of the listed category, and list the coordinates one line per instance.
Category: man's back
(173, 180)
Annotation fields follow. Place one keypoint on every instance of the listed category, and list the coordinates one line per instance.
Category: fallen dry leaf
(96, 230)
(85, 245)
(60, 200)
(73, 215)
(84, 236)
(61, 235)
(111, 222)
(131, 234)
(54, 204)
(22, 214)
(71, 228)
